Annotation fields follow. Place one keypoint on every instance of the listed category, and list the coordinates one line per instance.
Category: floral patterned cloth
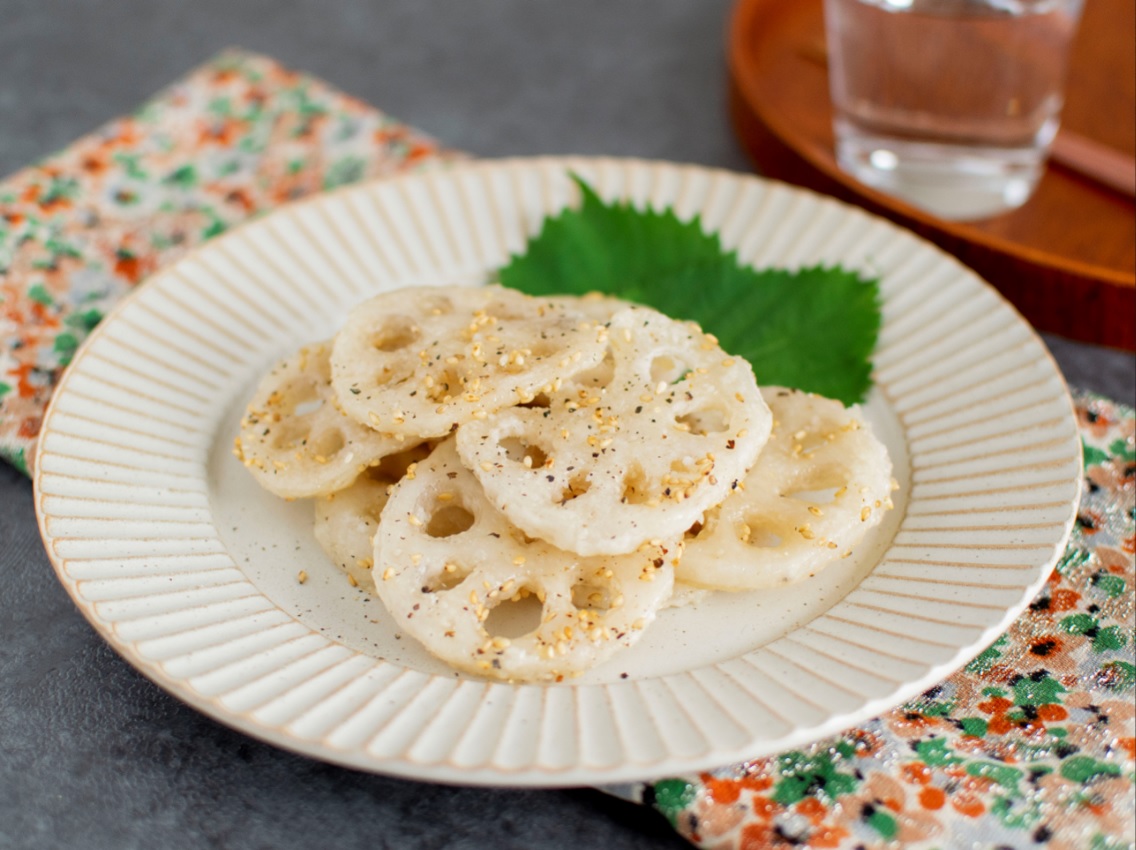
(238, 136)
(1030, 746)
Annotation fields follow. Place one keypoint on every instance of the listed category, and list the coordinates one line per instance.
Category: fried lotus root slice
(419, 361)
(822, 481)
(482, 596)
(630, 450)
(295, 440)
(346, 521)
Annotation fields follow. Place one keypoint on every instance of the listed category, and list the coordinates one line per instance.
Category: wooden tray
(1066, 259)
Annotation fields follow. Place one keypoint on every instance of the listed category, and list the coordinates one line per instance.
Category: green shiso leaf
(812, 328)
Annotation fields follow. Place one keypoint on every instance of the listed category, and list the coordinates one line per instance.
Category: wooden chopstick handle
(1106, 165)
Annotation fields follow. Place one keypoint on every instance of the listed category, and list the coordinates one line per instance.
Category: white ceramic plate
(190, 570)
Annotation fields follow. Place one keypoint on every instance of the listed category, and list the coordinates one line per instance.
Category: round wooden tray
(1066, 259)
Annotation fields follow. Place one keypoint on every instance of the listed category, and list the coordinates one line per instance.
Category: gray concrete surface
(91, 754)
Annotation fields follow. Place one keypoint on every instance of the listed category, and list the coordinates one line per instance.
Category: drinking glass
(950, 105)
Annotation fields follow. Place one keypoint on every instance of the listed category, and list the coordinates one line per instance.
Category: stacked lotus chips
(474, 450)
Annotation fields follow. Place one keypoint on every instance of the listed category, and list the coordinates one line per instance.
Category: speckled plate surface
(190, 570)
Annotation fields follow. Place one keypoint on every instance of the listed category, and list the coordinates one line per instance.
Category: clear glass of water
(950, 105)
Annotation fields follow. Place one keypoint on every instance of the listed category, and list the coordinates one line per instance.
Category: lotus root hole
(541, 348)
(540, 401)
(447, 579)
(635, 486)
(383, 376)
(444, 386)
(435, 305)
(754, 533)
(598, 376)
(683, 466)
(393, 467)
(825, 496)
(818, 484)
(578, 485)
(308, 405)
(289, 434)
(515, 617)
(327, 444)
(518, 451)
(449, 520)
(587, 595)
(810, 440)
(668, 370)
(520, 537)
(396, 333)
(703, 422)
